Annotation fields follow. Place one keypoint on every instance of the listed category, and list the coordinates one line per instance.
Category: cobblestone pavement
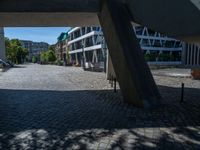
(51, 107)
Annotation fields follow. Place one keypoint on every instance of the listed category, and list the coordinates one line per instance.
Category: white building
(159, 49)
(87, 44)
(61, 47)
(191, 55)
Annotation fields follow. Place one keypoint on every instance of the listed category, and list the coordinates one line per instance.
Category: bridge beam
(135, 79)
(56, 6)
(20, 13)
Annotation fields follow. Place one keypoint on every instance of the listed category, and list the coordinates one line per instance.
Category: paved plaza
(51, 107)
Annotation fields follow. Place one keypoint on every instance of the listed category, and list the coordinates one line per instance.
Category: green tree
(68, 57)
(51, 48)
(50, 56)
(24, 54)
(43, 57)
(14, 51)
(10, 55)
(34, 59)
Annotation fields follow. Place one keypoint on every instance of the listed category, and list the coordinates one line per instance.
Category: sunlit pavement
(51, 107)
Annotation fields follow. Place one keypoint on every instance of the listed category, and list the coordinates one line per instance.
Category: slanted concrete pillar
(133, 74)
(2, 44)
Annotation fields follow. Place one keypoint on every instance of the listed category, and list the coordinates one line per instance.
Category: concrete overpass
(176, 18)
(179, 17)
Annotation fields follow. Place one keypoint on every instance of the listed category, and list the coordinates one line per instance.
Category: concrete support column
(2, 45)
(133, 74)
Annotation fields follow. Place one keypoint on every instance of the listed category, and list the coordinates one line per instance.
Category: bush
(150, 57)
(164, 57)
(172, 57)
(147, 57)
(43, 58)
(59, 62)
(34, 59)
(47, 57)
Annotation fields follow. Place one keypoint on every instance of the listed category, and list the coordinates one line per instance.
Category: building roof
(63, 36)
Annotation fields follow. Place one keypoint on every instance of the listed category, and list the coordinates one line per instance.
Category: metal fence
(191, 56)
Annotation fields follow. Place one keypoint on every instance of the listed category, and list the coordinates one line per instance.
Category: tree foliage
(51, 56)
(34, 59)
(68, 57)
(52, 48)
(48, 56)
(43, 57)
(14, 51)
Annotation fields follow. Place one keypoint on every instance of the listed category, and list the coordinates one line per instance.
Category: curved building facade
(87, 46)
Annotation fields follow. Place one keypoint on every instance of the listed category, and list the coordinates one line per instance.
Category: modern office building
(87, 46)
(2, 44)
(191, 55)
(61, 47)
(34, 48)
(158, 48)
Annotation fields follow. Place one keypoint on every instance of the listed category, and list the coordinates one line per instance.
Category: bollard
(111, 81)
(115, 85)
(182, 92)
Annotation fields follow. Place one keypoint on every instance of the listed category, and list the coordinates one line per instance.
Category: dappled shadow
(97, 120)
(18, 66)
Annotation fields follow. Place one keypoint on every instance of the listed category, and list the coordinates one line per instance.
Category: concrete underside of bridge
(176, 18)
(44, 19)
(49, 12)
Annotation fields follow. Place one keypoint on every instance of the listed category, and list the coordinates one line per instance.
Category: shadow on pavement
(31, 119)
(18, 66)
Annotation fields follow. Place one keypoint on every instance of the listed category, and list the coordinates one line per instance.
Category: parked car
(10, 63)
(4, 64)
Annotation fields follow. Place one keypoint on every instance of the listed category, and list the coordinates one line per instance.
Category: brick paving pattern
(51, 107)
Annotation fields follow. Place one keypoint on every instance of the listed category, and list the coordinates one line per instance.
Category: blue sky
(37, 34)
